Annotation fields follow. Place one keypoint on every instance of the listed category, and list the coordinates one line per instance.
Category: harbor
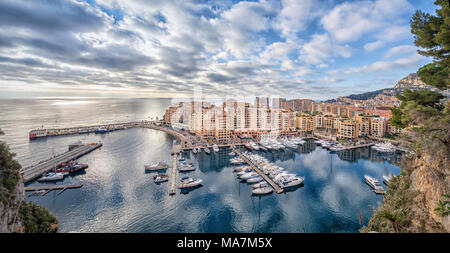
(275, 186)
(32, 172)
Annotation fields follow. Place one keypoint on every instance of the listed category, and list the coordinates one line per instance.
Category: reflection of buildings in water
(369, 154)
(280, 155)
(308, 147)
(214, 161)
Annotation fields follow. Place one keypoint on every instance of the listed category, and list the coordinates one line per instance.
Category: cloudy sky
(145, 48)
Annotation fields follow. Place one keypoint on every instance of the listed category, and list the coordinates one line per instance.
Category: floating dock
(32, 172)
(275, 186)
(173, 176)
(49, 188)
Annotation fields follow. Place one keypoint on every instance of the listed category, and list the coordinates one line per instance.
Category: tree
(432, 34)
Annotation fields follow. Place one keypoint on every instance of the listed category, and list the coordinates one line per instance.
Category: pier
(53, 187)
(173, 176)
(32, 172)
(275, 186)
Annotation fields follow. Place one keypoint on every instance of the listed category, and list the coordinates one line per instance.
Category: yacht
(51, 176)
(188, 182)
(240, 173)
(388, 178)
(260, 185)
(255, 179)
(262, 191)
(248, 175)
(161, 178)
(291, 181)
(156, 166)
(385, 147)
(215, 148)
(194, 151)
(231, 153)
(184, 166)
(207, 151)
(373, 182)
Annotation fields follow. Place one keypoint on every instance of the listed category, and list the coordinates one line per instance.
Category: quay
(53, 187)
(352, 147)
(173, 177)
(32, 172)
(275, 186)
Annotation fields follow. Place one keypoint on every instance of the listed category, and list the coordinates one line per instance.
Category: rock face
(431, 184)
(9, 220)
(412, 81)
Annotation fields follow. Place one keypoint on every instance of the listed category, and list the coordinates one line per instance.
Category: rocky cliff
(412, 81)
(16, 214)
(9, 212)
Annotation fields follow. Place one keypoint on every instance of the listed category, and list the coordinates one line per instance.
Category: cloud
(321, 48)
(350, 20)
(402, 63)
(149, 47)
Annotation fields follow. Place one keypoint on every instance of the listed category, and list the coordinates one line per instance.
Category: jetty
(173, 178)
(75, 151)
(275, 186)
(49, 188)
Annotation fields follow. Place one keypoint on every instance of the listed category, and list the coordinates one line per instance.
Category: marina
(116, 188)
(275, 186)
(32, 172)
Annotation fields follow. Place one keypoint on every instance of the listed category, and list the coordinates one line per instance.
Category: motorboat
(248, 175)
(374, 183)
(215, 148)
(156, 166)
(185, 166)
(262, 191)
(188, 182)
(194, 151)
(161, 178)
(260, 185)
(291, 181)
(255, 179)
(387, 178)
(231, 153)
(51, 176)
(385, 147)
(207, 151)
(239, 174)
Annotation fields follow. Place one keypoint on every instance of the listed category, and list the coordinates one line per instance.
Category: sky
(317, 49)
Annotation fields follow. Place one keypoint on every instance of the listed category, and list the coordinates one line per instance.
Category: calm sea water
(117, 196)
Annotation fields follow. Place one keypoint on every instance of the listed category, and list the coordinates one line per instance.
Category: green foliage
(444, 206)
(432, 34)
(395, 213)
(423, 101)
(9, 174)
(37, 219)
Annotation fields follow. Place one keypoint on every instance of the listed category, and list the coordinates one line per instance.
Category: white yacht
(207, 151)
(260, 185)
(188, 182)
(255, 179)
(373, 182)
(51, 176)
(215, 148)
(248, 175)
(387, 178)
(385, 147)
(262, 191)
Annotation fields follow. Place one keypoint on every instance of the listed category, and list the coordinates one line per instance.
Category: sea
(118, 196)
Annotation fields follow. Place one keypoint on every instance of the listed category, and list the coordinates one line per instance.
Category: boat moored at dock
(156, 166)
(374, 183)
(161, 177)
(51, 176)
(262, 191)
(188, 182)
